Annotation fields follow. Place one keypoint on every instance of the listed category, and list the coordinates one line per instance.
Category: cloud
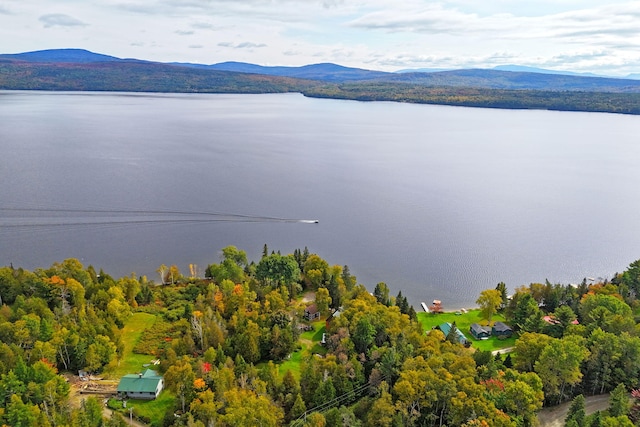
(249, 45)
(431, 19)
(243, 45)
(283, 11)
(60, 20)
(196, 46)
(576, 57)
(184, 33)
(204, 26)
(328, 4)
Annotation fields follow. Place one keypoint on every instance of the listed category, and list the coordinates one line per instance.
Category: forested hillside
(624, 103)
(293, 340)
(81, 70)
(137, 76)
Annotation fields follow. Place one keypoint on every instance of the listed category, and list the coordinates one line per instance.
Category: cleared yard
(463, 322)
(309, 344)
(131, 362)
(152, 411)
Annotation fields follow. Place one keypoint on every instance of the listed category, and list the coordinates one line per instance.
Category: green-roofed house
(446, 329)
(146, 385)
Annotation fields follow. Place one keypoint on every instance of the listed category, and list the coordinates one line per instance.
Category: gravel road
(554, 416)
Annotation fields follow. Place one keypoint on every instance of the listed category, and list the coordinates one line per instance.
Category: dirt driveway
(554, 417)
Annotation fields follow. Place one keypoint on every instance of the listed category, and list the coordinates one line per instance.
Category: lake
(439, 202)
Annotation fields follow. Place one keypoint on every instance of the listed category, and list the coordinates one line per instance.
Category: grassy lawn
(153, 410)
(148, 411)
(463, 322)
(316, 334)
(131, 362)
(310, 344)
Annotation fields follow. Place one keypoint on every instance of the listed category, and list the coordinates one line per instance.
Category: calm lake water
(439, 202)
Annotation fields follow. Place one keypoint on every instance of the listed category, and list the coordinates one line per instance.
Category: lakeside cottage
(479, 332)
(501, 330)
(146, 385)
(446, 329)
(311, 312)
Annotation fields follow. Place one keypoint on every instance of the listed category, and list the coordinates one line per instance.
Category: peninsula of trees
(293, 340)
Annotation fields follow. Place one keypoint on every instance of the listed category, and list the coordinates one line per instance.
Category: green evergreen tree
(325, 392)
(619, 401)
(596, 420)
(298, 408)
(577, 412)
(452, 336)
(381, 292)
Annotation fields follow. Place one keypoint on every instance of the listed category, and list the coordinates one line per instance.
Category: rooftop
(144, 382)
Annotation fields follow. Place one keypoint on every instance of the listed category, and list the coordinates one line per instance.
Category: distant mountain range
(78, 69)
(520, 78)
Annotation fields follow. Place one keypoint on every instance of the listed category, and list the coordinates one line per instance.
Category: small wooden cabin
(311, 312)
(479, 332)
(501, 330)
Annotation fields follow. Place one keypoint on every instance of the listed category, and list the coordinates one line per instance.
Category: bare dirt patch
(554, 416)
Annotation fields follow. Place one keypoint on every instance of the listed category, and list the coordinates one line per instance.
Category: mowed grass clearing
(463, 322)
(309, 344)
(153, 410)
(132, 363)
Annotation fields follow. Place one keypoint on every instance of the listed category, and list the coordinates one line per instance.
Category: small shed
(146, 385)
(311, 312)
(479, 332)
(501, 330)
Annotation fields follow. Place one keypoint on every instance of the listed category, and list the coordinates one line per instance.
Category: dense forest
(137, 76)
(606, 102)
(236, 348)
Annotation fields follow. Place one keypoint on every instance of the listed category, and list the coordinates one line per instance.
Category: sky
(601, 37)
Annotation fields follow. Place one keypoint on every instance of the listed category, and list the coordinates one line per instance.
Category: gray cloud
(184, 33)
(203, 26)
(431, 20)
(594, 32)
(248, 45)
(146, 9)
(573, 58)
(271, 10)
(328, 4)
(60, 20)
(243, 45)
(196, 46)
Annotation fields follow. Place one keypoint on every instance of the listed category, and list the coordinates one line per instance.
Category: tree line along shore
(292, 340)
